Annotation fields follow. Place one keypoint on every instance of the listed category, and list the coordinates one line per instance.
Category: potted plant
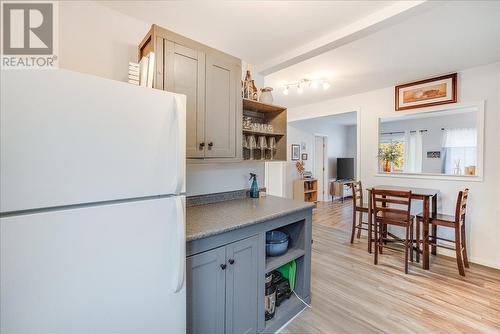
(388, 154)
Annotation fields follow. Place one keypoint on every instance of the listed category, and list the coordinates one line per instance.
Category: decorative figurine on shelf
(254, 188)
(248, 86)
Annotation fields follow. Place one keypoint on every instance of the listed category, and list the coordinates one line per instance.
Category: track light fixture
(305, 83)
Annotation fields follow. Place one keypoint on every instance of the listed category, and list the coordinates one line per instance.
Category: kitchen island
(227, 263)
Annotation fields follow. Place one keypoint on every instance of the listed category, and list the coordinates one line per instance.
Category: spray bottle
(254, 188)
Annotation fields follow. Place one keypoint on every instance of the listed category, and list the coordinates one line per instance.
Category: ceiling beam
(356, 30)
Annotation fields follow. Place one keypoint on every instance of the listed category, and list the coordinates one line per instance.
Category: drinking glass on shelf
(262, 146)
(272, 146)
(252, 144)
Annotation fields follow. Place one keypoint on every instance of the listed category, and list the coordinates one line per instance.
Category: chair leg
(464, 246)
(406, 248)
(360, 224)
(380, 237)
(417, 239)
(353, 226)
(434, 240)
(411, 242)
(458, 252)
(375, 228)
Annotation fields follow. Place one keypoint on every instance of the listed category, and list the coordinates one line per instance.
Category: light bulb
(300, 90)
(326, 85)
(285, 91)
(314, 84)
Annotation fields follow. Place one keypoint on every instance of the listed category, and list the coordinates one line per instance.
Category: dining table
(429, 198)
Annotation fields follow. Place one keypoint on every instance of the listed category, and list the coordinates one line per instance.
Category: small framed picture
(304, 156)
(295, 152)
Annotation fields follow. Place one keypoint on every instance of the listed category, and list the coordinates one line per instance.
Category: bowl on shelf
(276, 243)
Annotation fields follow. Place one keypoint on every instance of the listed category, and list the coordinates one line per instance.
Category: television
(345, 168)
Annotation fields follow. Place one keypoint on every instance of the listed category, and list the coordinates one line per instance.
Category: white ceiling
(443, 39)
(255, 31)
(348, 118)
(357, 45)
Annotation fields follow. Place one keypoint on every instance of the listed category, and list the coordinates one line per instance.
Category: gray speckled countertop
(206, 220)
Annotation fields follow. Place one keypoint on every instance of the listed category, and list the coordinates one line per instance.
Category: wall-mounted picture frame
(426, 93)
(295, 152)
(304, 156)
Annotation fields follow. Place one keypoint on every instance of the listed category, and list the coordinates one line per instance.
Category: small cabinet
(185, 68)
(210, 79)
(206, 284)
(222, 83)
(222, 289)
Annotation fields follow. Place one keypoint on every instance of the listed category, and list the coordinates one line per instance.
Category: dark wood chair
(457, 222)
(358, 206)
(392, 207)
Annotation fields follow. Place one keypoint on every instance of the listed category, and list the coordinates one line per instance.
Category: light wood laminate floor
(352, 295)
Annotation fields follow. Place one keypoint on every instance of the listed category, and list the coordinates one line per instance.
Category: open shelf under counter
(274, 262)
(287, 310)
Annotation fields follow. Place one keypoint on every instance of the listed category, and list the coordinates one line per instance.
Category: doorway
(320, 165)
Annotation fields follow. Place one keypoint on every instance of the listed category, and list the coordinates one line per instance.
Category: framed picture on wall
(426, 93)
(304, 156)
(295, 152)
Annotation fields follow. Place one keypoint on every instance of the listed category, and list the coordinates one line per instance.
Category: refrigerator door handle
(180, 118)
(181, 246)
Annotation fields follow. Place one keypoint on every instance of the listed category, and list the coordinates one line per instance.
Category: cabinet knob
(202, 145)
(223, 266)
(231, 261)
(210, 145)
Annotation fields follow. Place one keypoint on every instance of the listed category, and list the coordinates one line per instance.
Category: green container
(289, 271)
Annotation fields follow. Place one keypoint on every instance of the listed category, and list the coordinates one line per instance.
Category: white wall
(483, 221)
(97, 40)
(340, 145)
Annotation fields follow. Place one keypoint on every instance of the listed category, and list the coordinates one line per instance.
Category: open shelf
(259, 133)
(261, 107)
(274, 262)
(287, 309)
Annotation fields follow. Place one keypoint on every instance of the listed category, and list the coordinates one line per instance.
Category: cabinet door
(222, 87)
(206, 292)
(185, 74)
(242, 286)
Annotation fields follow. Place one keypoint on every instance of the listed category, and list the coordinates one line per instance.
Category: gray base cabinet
(222, 289)
(206, 291)
(226, 277)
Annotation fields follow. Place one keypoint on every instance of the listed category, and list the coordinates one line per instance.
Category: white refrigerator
(92, 228)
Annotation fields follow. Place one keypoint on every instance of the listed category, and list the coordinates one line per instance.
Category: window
(399, 140)
(459, 150)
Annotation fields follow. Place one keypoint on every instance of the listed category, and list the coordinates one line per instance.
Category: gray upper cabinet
(210, 79)
(205, 288)
(222, 289)
(221, 105)
(185, 68)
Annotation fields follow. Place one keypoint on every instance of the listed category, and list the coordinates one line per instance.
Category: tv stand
(341, 188)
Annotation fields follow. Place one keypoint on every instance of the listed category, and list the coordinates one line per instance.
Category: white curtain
(413, 152)
(459, 150)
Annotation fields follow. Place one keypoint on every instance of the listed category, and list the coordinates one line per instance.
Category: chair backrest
(382, 198)
(461, 206)
(357, 194)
